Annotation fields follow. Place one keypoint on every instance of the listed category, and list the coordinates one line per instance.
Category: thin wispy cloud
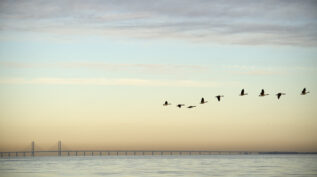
(116, 82)
(143, 68)
(273, 70)
(148, 68)
(283, 22)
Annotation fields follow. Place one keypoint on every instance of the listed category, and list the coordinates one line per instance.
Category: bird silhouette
(263, 93)
(219, 97)
(304, 92)
(180, 105)
(279, 95)
(202, 101)
(242, 93)
(166, 103)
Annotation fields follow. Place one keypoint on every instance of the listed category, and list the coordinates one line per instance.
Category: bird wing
(262, 92)
(242, 92)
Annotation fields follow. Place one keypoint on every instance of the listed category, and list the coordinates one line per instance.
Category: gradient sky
(95, 74)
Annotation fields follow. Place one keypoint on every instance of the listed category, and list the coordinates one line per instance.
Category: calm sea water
(147, 166)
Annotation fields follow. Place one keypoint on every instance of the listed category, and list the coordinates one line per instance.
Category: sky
(94, 74)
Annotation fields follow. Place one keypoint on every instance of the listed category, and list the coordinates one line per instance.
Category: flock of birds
(262, 94)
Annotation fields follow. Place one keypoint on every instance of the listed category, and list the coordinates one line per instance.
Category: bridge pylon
(32, 148)
(59, 148)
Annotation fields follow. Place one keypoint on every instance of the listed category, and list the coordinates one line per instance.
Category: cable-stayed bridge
(60, 152)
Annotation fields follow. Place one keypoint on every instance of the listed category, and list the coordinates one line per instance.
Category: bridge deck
(119, 152)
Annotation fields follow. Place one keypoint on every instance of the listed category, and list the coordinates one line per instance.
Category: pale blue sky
(77, 59)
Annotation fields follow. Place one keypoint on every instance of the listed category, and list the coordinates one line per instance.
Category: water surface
(149, 166)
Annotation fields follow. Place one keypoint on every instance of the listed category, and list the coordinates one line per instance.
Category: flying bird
(304, 92)
(219, 97)
(202, 101)
(166, 103)
(180, 105)
(242, 93)
(263, 93)
(279, 95)
(191, 107)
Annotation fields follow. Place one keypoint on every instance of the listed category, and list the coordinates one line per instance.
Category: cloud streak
(258, 71)
(282, 22)
(116, 82)
(148, 68)
(143, 68)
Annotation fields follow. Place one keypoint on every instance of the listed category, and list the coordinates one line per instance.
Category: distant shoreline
(278, 152)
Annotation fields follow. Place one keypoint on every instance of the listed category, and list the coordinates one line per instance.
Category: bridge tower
(59, 148)
(32, 148)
